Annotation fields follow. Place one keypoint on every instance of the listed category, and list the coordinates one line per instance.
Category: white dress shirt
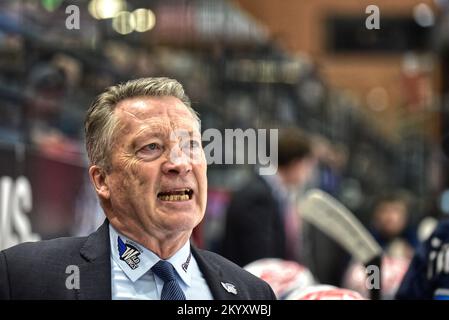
(132, 278)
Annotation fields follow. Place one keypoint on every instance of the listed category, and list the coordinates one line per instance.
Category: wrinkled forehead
(154, 114)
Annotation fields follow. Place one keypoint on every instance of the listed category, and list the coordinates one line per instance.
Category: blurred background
(374, 104)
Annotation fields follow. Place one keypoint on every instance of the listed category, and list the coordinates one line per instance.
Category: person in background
(428, 274)
(53, 130)
(390, 225)
(261, 220)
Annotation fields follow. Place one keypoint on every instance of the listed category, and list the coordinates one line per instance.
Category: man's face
(298, 172)
(391, 218)
(158, 168)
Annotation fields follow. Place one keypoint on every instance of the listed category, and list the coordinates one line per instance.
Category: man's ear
(98, 177)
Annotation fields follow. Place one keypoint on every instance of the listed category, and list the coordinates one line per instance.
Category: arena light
(145, 19)
(423, 15)
(106, 9)
(124, 22)
(92, 8)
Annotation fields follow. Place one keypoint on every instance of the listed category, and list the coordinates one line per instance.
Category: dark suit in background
(254, 224)
(37, 270)
(255, 230)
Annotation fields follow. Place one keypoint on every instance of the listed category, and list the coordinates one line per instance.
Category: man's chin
(182, 226)
(187, 211)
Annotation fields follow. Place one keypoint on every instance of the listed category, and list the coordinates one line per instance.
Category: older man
(148, 168)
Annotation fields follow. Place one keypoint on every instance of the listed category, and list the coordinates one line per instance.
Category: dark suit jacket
(254, 225)
(38, 270)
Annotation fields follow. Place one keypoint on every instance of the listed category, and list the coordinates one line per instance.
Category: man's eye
(152, 147)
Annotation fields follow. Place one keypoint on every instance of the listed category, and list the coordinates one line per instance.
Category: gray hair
(100, 125)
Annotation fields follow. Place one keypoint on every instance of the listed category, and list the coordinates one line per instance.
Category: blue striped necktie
(171, 290)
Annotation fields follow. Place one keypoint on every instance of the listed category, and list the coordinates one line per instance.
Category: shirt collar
(135, 260)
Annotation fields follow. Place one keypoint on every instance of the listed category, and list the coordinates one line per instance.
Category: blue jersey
(428, 273)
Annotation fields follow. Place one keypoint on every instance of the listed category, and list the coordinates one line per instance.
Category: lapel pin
(229, 287)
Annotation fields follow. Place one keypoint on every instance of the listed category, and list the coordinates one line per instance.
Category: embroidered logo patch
(128, 253)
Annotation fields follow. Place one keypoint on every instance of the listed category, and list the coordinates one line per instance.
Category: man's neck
(163, 244)
(282, 178)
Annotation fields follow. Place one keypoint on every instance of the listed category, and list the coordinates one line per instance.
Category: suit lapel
(220, 287)
(95, 272)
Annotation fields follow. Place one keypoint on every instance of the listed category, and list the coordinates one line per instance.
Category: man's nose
(177, 163)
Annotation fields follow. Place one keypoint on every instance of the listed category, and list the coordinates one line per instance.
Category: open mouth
(176, 195)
